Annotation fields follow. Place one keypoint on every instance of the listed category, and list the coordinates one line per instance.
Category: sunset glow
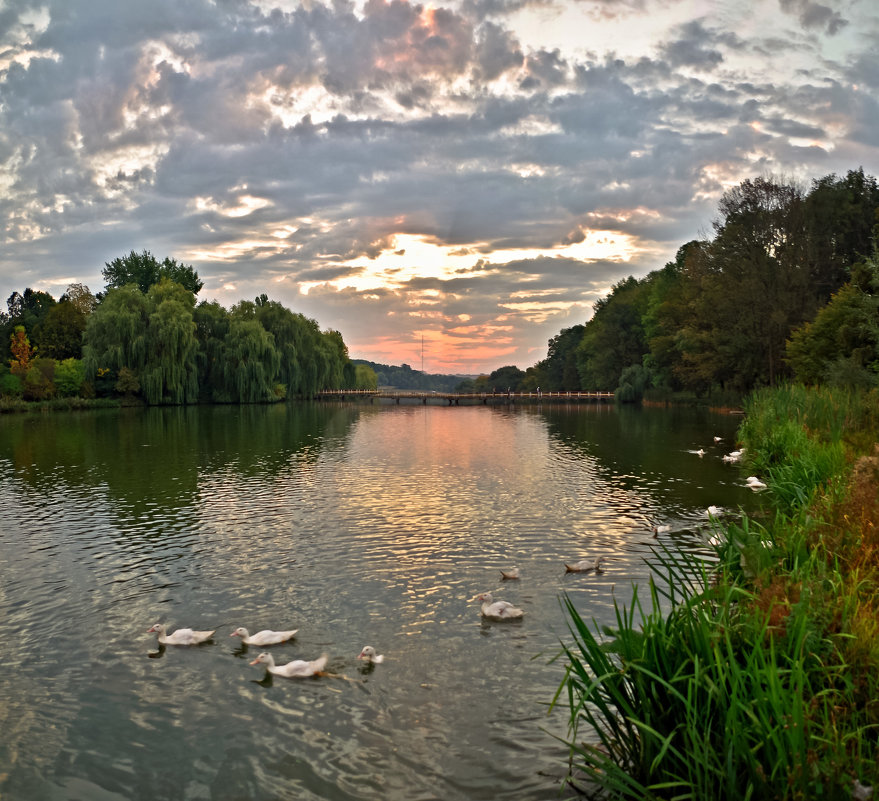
(474, 174)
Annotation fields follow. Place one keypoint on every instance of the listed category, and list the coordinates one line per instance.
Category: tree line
(786, 288)
(146, 337)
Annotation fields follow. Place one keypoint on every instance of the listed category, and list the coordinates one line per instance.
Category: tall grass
(763, 679)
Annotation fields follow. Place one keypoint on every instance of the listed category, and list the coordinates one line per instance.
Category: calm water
(357, 525)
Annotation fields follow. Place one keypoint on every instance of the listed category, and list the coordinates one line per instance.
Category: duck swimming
(297, 669)
(265, 637)
(512, 573)
(179, 637)
(498, 610)
(369, 655)
(585, 566)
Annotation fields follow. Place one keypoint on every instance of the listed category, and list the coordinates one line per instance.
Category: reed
(760, 678)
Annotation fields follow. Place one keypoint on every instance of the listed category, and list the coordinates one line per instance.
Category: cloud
(813, 15)
(310, 153)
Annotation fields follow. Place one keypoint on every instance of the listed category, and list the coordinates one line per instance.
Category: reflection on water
(357, 525)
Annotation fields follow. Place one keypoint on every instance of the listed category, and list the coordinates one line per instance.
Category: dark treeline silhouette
(146, 337)
(787, 288)
(404, 377)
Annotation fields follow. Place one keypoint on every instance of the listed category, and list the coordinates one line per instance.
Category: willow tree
(170, 374)
(116, 333)
(212, 323)
(250, 362)
(284, 325)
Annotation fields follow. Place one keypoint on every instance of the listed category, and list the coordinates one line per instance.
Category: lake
(355, 524)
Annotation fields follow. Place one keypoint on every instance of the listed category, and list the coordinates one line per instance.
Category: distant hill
(404, 377)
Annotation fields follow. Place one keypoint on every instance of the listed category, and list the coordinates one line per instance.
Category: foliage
(633, 382)
(127, 382)
(718, 318)
(404, 377)
(116, 334)
(60, 334)
(10, 385)
(39, 381)
(69, 377)
(250, 362)
(170, 373)
(760, 678)
(143, 270)
(558, 372)
(365, 377)
(614, 338)
(81, 298)
(22, 351)
(841, 345)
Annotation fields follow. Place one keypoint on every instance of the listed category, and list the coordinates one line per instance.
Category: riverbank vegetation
(755, 675)
(774, 295)
(146, 339)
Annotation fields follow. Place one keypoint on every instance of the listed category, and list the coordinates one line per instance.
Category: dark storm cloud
(815, 15)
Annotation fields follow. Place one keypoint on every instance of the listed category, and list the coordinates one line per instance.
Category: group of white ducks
(297, 669)
(491, 609)
(751, 482)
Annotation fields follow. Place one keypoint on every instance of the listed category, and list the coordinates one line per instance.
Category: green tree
(250, 362)
(614, 337)
(143, 270)
(559, 369)
(757, 287)
(841, 345)
(212, 323)
(840, 216)
(10, 385)
(28, 309)
(666, 316)
(365, 377)
(506, 378)
(39, 381)
(60, 334)
(116, 335)
(170, 371)
(69, 377)
(81, 298)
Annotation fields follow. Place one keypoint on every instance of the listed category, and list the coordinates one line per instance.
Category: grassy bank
(762, 681)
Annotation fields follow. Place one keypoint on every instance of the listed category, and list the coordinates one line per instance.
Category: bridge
(401, 396)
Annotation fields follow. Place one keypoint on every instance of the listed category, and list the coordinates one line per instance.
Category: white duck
(512, 573)
(297, 669)
(714, 511)
(585, 566)
(498, 610)
(368, 653)
(661, 529)
(265, 637)
(755, 483)
(179, 637)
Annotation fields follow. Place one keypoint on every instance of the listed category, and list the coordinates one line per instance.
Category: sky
(448, 185)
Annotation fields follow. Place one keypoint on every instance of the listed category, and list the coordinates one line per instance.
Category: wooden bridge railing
(454, 398)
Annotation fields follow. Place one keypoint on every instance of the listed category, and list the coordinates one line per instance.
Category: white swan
(498, 610)
(512, 573)
(297, 669)
(585, 566)
(179, 637)
(265, 637)
(368, 653)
